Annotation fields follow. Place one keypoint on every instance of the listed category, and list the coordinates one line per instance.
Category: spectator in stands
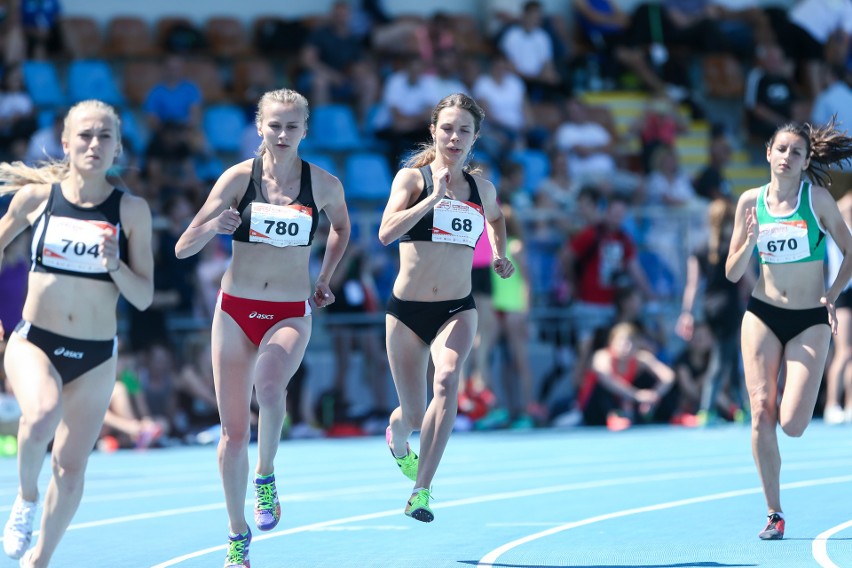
(40, 23)
(600, 28)
(70, 306)
(694, 367)
(813, 34)
(659, 125)
(195, 389)
(626, 384)
(530, 50)
(170, 164)
(712, 182)
(709, 297)
(271, 206)
(335, 66)
(447, 77)
(408, 96)
(769, 97)
(46, 143)
(13, 278)
(504, 99)
(17, 112)
(835, 99)
(667, 183)
(589, 146)
(175, 99)
(128, 420)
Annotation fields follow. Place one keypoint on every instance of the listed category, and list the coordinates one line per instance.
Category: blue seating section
(367, 176)
(43, 84)
(333, 127)
(223, 125)
(93, 79)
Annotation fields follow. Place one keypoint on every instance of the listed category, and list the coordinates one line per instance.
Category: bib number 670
(780, 244)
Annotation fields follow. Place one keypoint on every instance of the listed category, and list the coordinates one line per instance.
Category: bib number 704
(79, 248)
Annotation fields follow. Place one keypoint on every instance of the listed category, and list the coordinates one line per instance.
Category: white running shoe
(19, 528)
(833, 415)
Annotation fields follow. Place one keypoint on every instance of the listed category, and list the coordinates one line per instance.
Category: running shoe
(774, 528)
(418, 506)
(267, 509)
(19, 528)
(26, 560)
(238, 550)
(408, 463)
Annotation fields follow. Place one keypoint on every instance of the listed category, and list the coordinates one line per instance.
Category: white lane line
(819, 547)
(491, 557)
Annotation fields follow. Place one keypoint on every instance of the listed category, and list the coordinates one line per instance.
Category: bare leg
(408, 357)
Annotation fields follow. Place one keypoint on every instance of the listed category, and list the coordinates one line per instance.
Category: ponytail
(826, 146)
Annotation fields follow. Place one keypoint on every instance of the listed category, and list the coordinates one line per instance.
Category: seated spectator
(335, 66)
(46, 142)
(694, 367)
(835, 99)
(659, 125)
(40, 24)
(408, 97)
(530, 49)
(601, 25)
(447, 75)
(197, 410)
(17, 111)
(503, 97)
(175, 99)
(588, 145)
(712, 181)
(770, 96)
(667, 183)
(170, 164)
(626, 384)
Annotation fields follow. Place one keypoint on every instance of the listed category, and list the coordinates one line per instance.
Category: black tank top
(66, 236)
(254, 193)
(423, 229)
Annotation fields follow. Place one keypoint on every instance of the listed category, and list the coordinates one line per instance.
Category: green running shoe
(418, 506)
(238, 550)
(408, 463)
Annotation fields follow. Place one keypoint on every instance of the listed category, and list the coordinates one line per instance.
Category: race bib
(280, 225)
(457, 222)
(783, 242)
(72, 244)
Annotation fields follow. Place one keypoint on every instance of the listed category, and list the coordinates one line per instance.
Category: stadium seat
(367, 176)
(226, 36)
(129, 37)
(133, 133)
(536, 166)
(249, 73)
(82, 36)
(334, 127)
(138, 78)
(42, 82)
(93, 79)
(321, 160)
(223, 125)
(204, 72)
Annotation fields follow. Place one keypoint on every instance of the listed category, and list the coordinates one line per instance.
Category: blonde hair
(15, 175)
(427, 150)
(283, 96)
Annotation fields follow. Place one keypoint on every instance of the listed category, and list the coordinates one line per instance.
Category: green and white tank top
(797, 237)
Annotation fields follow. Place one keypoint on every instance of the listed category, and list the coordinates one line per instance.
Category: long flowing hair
(15, 175)
(427, 152)
(825, 145)
(720, 217)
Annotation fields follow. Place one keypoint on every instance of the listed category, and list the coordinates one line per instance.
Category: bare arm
(686, 320)
(496, 227)
(830, 217)
(663, 372)
(398, 218)
(135, 280)
(217, 215)
(23, 209)
(744, 236)
(334, 206)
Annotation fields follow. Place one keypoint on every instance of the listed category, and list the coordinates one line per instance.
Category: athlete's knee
(270, 393)
(68, 472)
(41, 425)
(793, 427)
(763, 415)
(446, 381)
(235, 437)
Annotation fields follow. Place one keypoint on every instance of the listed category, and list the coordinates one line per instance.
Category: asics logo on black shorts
(68, 353)
(256, 315)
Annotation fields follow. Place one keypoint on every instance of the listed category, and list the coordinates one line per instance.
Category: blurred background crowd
(618, 135)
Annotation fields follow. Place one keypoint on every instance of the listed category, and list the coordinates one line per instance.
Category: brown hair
(825, 145)
(719, 212)
(427, 150)
(15, 175)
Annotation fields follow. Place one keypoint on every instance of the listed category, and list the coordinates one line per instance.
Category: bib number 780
(282, 227)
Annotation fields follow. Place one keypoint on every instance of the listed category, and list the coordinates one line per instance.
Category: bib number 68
(465, 225)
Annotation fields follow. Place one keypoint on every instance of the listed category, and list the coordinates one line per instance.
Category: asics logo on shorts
(256, 315)
(68, 353)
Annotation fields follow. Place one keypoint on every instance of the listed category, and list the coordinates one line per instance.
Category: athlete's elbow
(385, 237)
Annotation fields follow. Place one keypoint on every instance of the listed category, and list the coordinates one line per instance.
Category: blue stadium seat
(133, 132)
(224, 125)
(367, 176)
(42, 83)
(93, 79)
(321, 160)
(536, 166)
(333, 127)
